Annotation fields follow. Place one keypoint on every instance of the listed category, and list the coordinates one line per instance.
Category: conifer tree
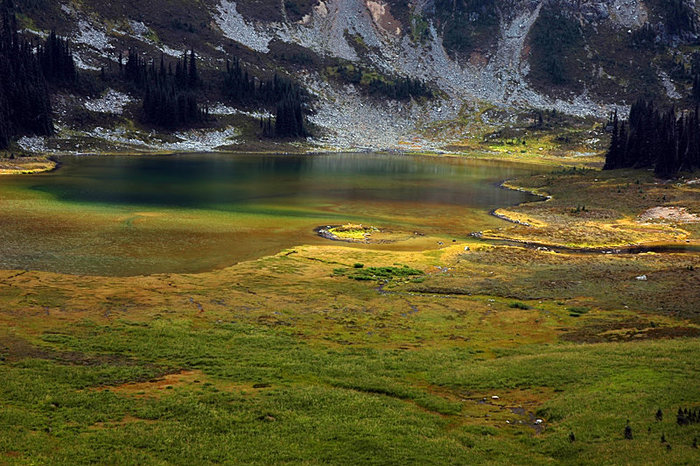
(666, 141)
(628, 431)
(25, 106)
(56, 59)
(193, 75)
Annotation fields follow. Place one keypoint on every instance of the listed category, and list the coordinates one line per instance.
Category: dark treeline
(289, 116)
(666, 141)
(242, 88)
(282, 93)
(644, 37)
(696, 88)
(169, 93)
(141, 72)
(25, 105)
(401, 89)
(56, 60)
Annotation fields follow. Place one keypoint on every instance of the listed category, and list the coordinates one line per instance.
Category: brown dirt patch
(157, 387)
(186, 378)
(383, 17)
(509, 407)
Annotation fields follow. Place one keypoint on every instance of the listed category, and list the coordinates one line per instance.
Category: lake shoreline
(26, 165)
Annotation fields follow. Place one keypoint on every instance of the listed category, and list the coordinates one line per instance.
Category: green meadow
(435, 348)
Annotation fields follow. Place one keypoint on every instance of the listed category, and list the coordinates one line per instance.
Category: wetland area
(190, 308)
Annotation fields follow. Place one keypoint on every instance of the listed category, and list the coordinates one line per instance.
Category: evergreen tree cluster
(282, 93)
(696, 89)
(401, 89)
(170, 98)
(651, 138)
(25, 106)
(289, 117)
(169, 107)
(56, 59)
(170, 90)
(238, 86)
(687, 416)
(241, 88)
(141, 72)
(644, 36)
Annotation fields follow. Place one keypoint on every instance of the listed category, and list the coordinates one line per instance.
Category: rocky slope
(491, 53)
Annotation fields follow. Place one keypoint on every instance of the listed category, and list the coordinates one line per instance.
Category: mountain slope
(580, 57)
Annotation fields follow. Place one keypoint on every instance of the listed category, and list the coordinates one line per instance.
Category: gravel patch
(119, 136)
(82, 64)
(196, 140)
(203, 140)
(234, 27)
(671, 90)
(629, 13)
(223, 109)
(92, 37)
(351, 120)
(36, 144)
(140, 32)
(112, 102)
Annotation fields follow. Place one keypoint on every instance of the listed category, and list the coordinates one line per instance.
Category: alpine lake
(118, 215)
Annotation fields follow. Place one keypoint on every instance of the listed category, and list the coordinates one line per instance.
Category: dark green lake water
(189, 213)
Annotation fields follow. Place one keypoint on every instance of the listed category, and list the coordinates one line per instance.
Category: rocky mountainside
(578, 57)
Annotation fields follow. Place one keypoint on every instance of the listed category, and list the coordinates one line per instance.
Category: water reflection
(189, 213)
(217, 182)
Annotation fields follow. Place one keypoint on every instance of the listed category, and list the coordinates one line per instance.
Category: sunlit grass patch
(590, 209)
(352, 232)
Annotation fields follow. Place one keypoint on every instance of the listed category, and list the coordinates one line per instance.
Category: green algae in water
(191, 213)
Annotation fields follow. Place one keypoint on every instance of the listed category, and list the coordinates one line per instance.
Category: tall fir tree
(665, 141)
